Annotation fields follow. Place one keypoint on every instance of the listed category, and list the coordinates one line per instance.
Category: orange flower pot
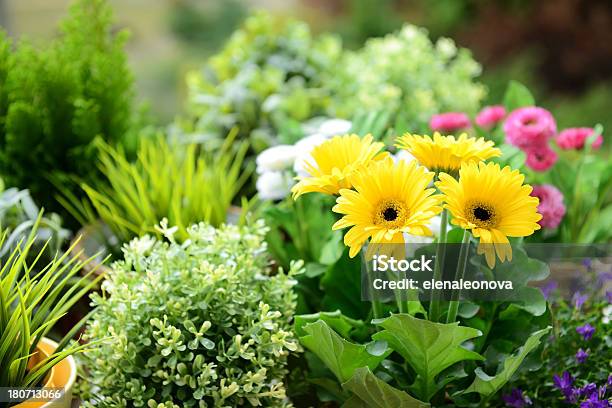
(63, 375)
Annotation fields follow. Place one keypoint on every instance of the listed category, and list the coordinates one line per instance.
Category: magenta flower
(586, 331)
(490, 116)
(581, 356)
(541, 158)
(551, 205)
(449, 122)
(516, 399)
(575, 138)
(529, 127)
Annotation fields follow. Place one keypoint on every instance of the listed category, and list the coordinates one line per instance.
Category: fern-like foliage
(56, 99)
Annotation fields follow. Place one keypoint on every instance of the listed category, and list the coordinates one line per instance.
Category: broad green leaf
(517, 95)
(486, 385)
(335, 320)
(521, 271)
(428, 347)
(342, 286)
(511, 156)
(370, 391)
(342, 357)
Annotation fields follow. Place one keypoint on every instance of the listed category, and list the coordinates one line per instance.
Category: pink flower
(449, 122)
(490, 116)
(529, 127)
(574, 138)
(551, 205)
(541, 158)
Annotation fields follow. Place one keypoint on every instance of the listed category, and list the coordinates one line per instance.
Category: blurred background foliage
(561, 49)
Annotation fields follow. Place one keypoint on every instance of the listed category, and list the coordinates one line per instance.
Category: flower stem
(376, 305)
(376, 309)
(434, 306)
(453, 306)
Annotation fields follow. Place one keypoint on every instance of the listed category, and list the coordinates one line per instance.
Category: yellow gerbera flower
(389, 199)
(447, 153)
(493, 203)
(335, 161)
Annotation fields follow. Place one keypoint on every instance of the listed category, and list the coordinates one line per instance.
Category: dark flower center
(482, 214)
(390, 214)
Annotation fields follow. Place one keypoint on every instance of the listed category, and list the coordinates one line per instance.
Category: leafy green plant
(268, 76)
(18, 217)
(410, 360)
(300, 230)
(404, 357)
(166, 180)
(55, 100)
(203, 323)
(409, 76)
(30, 305)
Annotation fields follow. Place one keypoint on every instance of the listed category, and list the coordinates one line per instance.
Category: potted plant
(33, 298)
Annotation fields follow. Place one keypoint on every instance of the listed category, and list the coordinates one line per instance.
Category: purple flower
(609, 296)
(579, 300)
(564, 381)
(549, 288)
(588, 389)
(564, 384)
(604, 277)
(586, 331)
(596, 399)
(516, 399)
(581, 356)
(587, 262)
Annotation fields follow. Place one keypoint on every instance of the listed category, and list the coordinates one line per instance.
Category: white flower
(276, 158)
(403, 155)
(433, 225)
(304, 148)
(274, 185)
(333, 127)
(140, 246)
(607, 314)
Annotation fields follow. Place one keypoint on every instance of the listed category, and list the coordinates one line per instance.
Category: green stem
(376, 305)
(377, 309)
(400, 299)
(299, 240)
(453, 306)
(434, 308)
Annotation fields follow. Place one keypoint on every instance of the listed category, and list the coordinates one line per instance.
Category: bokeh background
(561, 49)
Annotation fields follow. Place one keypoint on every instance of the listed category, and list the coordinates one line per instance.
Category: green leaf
(588, 143)
(336, 320)
(428, 347)
(341, 356)
(314, 269)
(486, 385)
(342, 286)
(511, 156)
(517, 95)
(521, 271)
(370, 391)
